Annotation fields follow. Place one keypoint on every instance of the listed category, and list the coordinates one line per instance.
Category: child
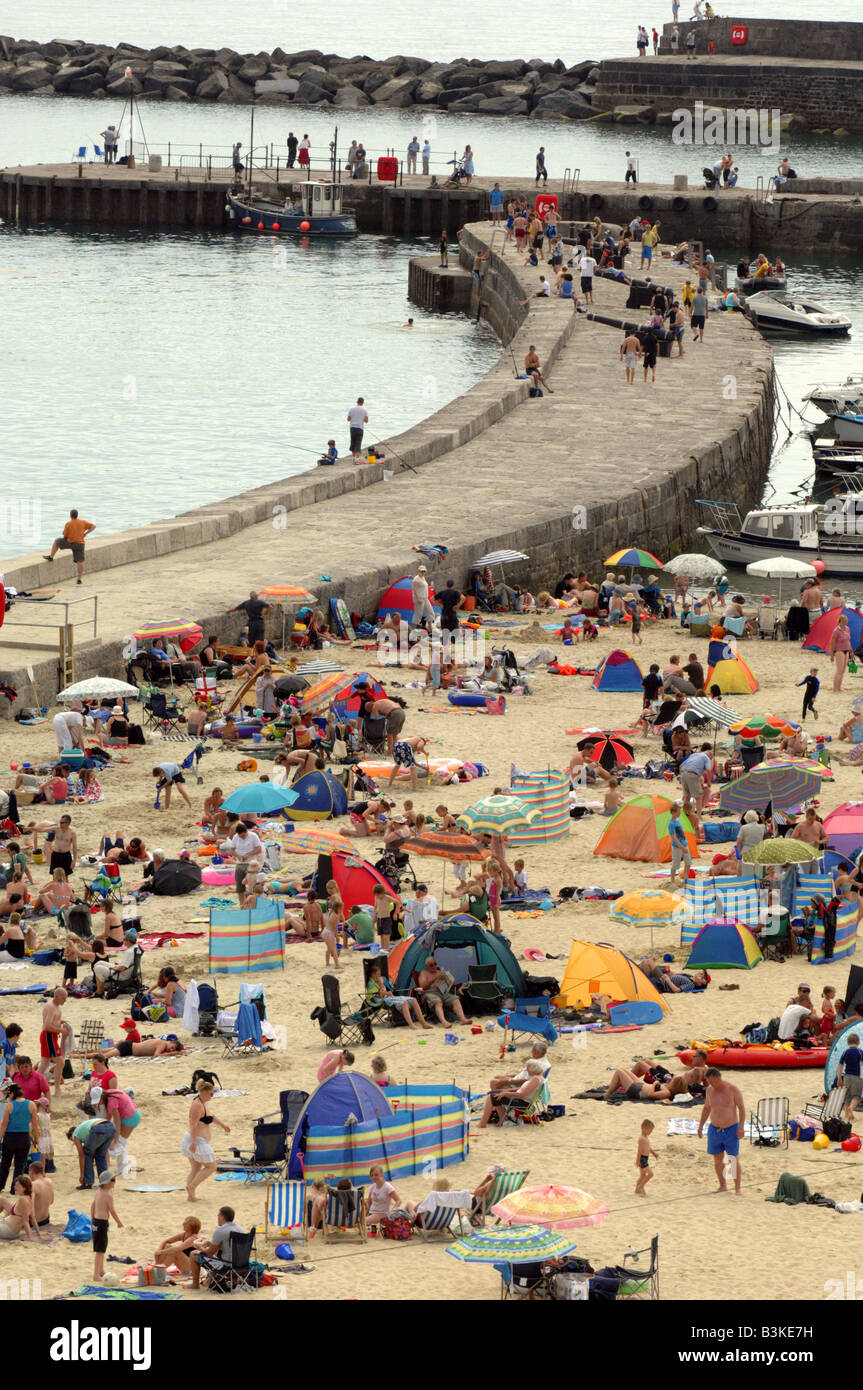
(230, 733)
(380, 1074)
(567, 633)
(613, 798)
(333, 1062)
(317, 1206)
(636, 623)
(384, 903)
(101, 1210)
(828, 1010)
(379, 990)
(520, 877)
(813, 685)
(70, 959)
(443, 246)
(410, 814)
(642, 1158)
(332, 453)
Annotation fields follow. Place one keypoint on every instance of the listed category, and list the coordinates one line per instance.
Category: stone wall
(827, 40)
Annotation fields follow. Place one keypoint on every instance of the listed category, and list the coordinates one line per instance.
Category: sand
(710, 1246)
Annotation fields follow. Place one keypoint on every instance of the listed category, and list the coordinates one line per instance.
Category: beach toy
(759, 1055)
(450, 1038)
(821, 1142)
(463, 699)
(473, 1030)
(636, 1011)
(284, 1251)
(852, 1145)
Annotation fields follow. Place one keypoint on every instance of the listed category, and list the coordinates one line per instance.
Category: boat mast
(334, 147)
(251, 144)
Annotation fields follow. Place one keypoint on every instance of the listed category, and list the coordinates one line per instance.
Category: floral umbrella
(780, 851)
(552, 1207)
(516, 1245)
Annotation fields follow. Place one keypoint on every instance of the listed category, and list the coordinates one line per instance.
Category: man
(675, 10)
(423, 614)
(543, 292)
(677, 323)
(220, 1243)
(541, 171)
(413, 151)
(75, 533)
(810, 830)
(248, 851)
(495, 202)
(92, 1139)
(700, 312)
(680, 853)
(692, 772)
(631, 169)
(357, 419)
(363, 924)
(256, 611)
(438, 988)
(110, 137)
(630, 351)
(725, 1110)
(293, 142)
(695, 672)
(423, 911)
(64, 847)
(586, 267)
(848, 1075)
(51, 1037)
(43, 1193)
(655, 36)
(236, 160)
(426, 156)
(525, 1093)
(533, 367)
(793, 1019)
(170, 775)
(450, 602)
(512, 1081)
(121, 962)
(690, 45)
(394, 715)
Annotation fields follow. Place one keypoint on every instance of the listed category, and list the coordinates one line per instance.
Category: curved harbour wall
(566, 479)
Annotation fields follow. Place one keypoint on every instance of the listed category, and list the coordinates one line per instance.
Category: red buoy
(277, 226)
(305, 226)
(246, 221)
(260, 226)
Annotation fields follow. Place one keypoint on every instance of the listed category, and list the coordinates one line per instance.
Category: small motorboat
(784, 313)
(837, 399)
(848, 428)
(319, 214)
(754, 284)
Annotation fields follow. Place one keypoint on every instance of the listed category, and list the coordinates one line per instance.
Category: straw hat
(117, 709)
(421, 569)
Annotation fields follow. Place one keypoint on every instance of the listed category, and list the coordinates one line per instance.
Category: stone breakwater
(66, 67)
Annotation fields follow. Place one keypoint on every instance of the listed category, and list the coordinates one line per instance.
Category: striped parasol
(648, 907)
(762, 728)
(515, 1245)
(319, 667)
(319, 697)
(784, 783)
(706, 708)
(633, 558)
(780, 851)
(187, 633)
(497, 815)
(554, 1207)
(314, 839)
(447, 844)
(287, 593)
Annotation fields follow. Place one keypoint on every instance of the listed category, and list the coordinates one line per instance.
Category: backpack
(836, 1129)
(201, 1075)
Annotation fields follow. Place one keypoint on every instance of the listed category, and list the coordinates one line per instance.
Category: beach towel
(790, 1190)
(119, 1295)
(27, 989)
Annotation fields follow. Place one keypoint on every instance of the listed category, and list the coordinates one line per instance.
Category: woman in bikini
(179, 1249)
(196, 1146)
(19, 1212)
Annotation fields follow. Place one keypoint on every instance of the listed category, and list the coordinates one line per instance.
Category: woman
(257, 661)
(56, 894)
(135, 852)
(751, 832)
(380, 1197)
(335, 913)
(117, 727)
(112, 925)
(19, 1212)
(196, 1146)
(304, 760)
(87, 787)
(467, 163)
(211, 660)
(19, 1127)
(840, 650)
(13, 943)
(304, 155)
(281, 769)
(150, 1047)
(121, 1109)
(171, 991)
(181, 1248)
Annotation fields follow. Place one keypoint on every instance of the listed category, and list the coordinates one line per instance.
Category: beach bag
(151, 1274)
(209, 1076)
(397, 1227)
(836, 1129)
(804, 1132)
(78, 1228)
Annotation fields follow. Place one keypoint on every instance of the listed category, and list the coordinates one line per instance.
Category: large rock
(182, 84)
(228, 59)
(213, 86)
(502, 71)
(167, 70)
(277, 87)
(457, 94)
(581, 70)
(563, 104)
(253, 69)
(399, 92)
(502, 106)
(632, 115)
(174, 93)
(546, 86)
(462, 77)
(321, 78)
(311, 93)
(86, 86)
(540, 65)
(378, 77)
(122, 86)
(469, 103)
(350, 97)
(427, 92)
(7, 72)
(57, 48)
(31, 76)
(238, 93)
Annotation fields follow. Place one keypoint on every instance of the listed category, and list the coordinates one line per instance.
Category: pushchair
(511, 676)
(458, 174)
(395, 865)
(710, 179)
(208, 1011)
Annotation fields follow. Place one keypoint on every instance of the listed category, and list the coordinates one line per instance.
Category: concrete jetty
(567, 479)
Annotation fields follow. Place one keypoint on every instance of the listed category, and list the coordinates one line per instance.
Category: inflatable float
(382, 767)
(466, 699)
(759, 1055)
(219, 876)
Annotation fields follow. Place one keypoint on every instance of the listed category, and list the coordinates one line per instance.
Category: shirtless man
(312, 922)
(810, 830)
(439, 988)
(150, 1047)
(630, 351)
(394, 715)
(635, 1087)
(725, 1110)
(533, 367)
(64, 847)
(682, 1081)
(51, 1038)
(43, 1194)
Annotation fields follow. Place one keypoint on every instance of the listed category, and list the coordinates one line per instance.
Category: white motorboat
(839, 398)
(848, 428)
(831, 531)
(784, 313)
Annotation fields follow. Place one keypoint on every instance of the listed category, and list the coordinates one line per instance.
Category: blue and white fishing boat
(320, 213)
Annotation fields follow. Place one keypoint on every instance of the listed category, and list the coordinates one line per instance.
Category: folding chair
(769, 1122)
(502, 1185)
(126, 981)
(285, 1209)
(349, 1028)
(380, 1011)
(639, 1283)
(234, 1275)
(482, 989)
(338, 1218)
(245, 1038)
(81, 154)
(439, 1220)
(374, 732)
(97, 152)
(161, 715)
(518, 1281)
(515, 1111)
(268, 1159)
(531, 1017)
(89, 1036)
(830, 1108)
(291, 1104)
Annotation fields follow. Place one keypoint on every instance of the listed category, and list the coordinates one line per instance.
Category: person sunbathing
(497, 1101)
(13, 944)
(57, 893)
(150, 1047)
(135, 852)
(634, 1087)
(181, 1248)
(691, 1080)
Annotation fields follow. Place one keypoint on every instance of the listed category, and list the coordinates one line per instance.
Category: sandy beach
(710, 1246)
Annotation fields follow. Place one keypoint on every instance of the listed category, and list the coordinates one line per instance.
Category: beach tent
(639, 831)
(597, 968)
(176, 877)
(854, 990)
(429, 1131)
(822, 629)
(723, 944)
(844, 828)
(243, 939)
(355, 876)
(399, 599)
(319, 796)
(727, 669)
(548, 794)
(456, 942)
(837, 1047)
(618, 672)
(345, 1095)
(347, 701)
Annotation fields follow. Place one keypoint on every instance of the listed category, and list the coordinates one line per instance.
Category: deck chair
(531, 1017)
(89, 1036)
(160, 714)
(830, 1108)
(638, 1282)
(337, 1219)
(769, 1122)
(515, 1112)
(482, 990)
(234, 1275)
(128, 981)
(347, 1027)
(374, 734)
(448, 1208)
(285, 1209)
(502, 1186)
(291, 1104)
(268, 1158)
(245, 1038)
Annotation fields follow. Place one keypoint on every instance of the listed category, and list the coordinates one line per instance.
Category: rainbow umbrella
(648, 907)
(319, 696)
(634, 559)
(552, 1207)
(497, 815)
(314, 839)
(761, 728)
(187, 633)
(285, 595)
(515, 1245)
(784, 783)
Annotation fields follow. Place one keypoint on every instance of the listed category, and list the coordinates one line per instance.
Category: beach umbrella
(712, 710)
(648, 907)
(705, 567)
(290, 685)
(497, 815)
(286, 596)
(551, 1206)
(313, 839)
(502, 557)
(451, 845)
(97, 688)
(512, 1244)
(762, 728)
(608, 751)
(262, 798)
(783, 783)
(633, 558)
(781, 567)
(687, 719)
(319, 696)
(780, 851)
(184, 632)
(319, 667)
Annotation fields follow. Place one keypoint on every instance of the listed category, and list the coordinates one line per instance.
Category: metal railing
(65, 604)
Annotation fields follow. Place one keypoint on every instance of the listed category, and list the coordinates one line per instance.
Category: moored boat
(320, 213)
(784, 313)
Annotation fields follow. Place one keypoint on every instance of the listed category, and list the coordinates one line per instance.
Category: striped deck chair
(700, 897)
(336, 1219)
(448, 1208)
(502, 1186)
(769, 1121)
(284, 1208)
(830, 1108)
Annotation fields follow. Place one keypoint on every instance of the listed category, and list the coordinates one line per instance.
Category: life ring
(680, 205)
(596, 200)
(709, 204)
(645, 202)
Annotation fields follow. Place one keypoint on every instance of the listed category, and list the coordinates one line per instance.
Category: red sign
(739, 33)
